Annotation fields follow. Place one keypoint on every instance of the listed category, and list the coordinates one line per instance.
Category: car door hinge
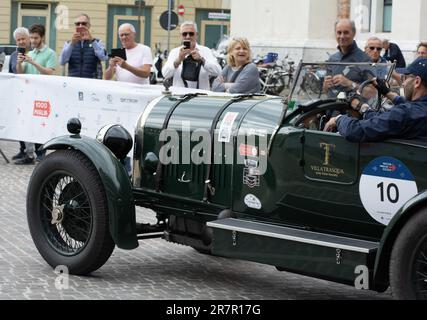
(234, 237)
(338, 256)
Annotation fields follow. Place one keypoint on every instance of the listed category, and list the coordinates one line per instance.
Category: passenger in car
(341, 78)
(407, 120)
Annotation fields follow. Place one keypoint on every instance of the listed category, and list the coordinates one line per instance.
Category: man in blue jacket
(340, 77)
(407, 120)
(83, 53)
(393, 53)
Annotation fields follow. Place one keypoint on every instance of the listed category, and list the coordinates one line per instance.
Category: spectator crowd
(190, 65)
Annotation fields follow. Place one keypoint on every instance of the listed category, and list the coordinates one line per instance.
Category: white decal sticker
(253, 202)
(385, 186)
(227, 126)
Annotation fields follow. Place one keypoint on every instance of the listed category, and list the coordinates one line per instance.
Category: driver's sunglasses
(376, 48)
(191, 34)
(405, 77)
(80, 23)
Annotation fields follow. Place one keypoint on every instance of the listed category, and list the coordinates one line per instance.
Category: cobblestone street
(155, 270)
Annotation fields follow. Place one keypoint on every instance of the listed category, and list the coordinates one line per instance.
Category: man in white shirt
(209, 65)
(137, 67)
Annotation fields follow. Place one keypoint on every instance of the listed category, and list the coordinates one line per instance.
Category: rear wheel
(68, 214)
(408, 264)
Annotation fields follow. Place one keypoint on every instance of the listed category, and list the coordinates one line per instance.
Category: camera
(80, 30)
(21, 50)
(186, 44)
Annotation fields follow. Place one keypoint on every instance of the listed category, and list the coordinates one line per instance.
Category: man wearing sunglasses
(373, 49)
(191, 50)
(407, 120)
(83, 53)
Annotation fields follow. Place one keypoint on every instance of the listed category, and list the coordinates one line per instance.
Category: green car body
(277, 190)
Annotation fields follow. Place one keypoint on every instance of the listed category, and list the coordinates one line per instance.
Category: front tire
(67, 213)
(408, 264)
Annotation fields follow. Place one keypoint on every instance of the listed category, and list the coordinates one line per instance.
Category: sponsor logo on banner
(248, 150)
(41, 109)
(253, 202)
(94, 97)
(128, 100)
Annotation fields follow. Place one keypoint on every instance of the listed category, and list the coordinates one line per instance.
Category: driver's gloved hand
(359, 98)
(382, 87)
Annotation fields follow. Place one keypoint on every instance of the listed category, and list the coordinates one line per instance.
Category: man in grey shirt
(240, 75)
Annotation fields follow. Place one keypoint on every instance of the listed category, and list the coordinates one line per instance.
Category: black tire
(67, 213)
(408, 264)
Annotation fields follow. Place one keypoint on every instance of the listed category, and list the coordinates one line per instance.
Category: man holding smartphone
(83, 53)
(137, 66)
(22, 39)
(191, 51)
(40, 60)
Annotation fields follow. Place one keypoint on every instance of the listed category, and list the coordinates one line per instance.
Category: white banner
(36, 108)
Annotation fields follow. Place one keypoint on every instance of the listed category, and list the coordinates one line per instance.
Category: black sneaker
(25, 160)
(19, 155)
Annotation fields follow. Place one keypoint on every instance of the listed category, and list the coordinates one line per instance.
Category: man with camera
(22, 39)
(40, 60)
(132, 63)
(83, 53)
(191, 64)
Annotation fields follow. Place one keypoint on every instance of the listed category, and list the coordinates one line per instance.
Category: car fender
(390, 234)
(118, 189)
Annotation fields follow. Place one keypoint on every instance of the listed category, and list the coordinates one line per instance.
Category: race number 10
(392, 192)
(386, 184)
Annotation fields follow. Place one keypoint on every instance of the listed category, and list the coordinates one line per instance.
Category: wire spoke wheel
(408, 264)
(419, 272)
(67, 212)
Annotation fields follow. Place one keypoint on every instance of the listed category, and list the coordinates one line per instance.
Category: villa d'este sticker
(385, 186)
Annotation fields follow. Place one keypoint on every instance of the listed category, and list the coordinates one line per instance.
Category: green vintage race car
(247, 177)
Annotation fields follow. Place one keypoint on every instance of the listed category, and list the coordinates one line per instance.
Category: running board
(297, 235)
(316, 254)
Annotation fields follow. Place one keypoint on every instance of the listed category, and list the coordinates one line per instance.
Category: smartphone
(21, 50)
(186, 44)
(119, 52)
(80, 29)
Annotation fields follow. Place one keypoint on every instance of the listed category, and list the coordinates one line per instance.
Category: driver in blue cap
(406, 120)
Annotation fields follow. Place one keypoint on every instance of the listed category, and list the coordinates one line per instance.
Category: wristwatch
(363, 108)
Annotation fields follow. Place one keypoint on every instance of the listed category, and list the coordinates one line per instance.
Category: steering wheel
(317, 118)
(366, 92)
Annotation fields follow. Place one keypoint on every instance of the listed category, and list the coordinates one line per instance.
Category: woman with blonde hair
(240, 75)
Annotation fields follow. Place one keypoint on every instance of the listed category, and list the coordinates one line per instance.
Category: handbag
(191, 70)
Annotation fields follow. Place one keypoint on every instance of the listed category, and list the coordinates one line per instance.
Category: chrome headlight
(116, 138)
